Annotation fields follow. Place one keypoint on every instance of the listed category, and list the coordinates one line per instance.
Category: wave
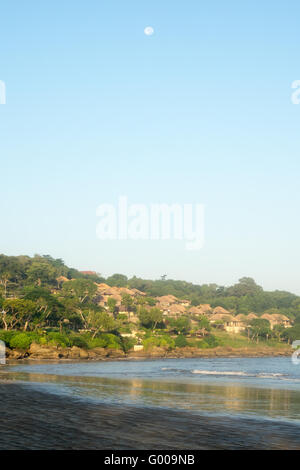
(261, 375)
(258, 375)
(269, 374)
(216, 372)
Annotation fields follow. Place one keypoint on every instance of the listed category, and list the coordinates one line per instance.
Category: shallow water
(267, 388)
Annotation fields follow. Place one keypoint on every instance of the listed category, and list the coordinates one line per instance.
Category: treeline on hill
(36, 303)
(244, 297)
(20, 272)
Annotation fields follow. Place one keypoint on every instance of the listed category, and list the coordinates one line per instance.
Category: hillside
(46, 304)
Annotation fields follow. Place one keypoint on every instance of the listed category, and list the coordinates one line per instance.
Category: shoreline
(100, 354)
(32, 420)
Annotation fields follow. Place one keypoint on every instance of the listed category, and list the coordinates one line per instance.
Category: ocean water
(266, 388)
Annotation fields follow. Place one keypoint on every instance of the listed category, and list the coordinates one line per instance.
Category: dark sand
(31, 419)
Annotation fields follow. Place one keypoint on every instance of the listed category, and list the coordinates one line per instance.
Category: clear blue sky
(199, 112)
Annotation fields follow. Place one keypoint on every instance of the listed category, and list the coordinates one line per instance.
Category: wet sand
(31, 419)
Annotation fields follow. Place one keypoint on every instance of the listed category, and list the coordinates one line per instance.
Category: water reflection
(227, 399)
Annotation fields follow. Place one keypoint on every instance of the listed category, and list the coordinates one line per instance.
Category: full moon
(149, 31)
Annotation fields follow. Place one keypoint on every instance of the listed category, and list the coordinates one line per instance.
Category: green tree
(260, 328)
(49, 309)
(78, 296)
(117, 280)
(112, 306)
(151, 317)
(128, 303)
(72, 313)
(41, 272)
(204, 325)
(4, 281)
(181, 325)
(82, 289)
(99, 321)
(278, 332)
(292, 334)
(245, 286)
(17, 312)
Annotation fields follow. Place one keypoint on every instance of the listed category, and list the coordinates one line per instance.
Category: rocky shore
(39, 352)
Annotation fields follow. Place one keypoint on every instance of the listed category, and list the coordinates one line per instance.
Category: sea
(267, 388)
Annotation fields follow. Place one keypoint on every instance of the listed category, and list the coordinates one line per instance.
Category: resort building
(228, 322)
(277, 319)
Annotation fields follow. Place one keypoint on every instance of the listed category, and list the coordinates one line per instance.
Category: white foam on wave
(272, 374)
(269, 375)
(218, 372)
(260, 375)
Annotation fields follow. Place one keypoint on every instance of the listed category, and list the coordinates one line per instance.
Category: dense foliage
(37, 305)
(244, 297)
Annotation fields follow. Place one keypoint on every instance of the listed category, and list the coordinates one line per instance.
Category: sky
(199, 112)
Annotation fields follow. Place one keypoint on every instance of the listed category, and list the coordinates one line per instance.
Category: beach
(225, 403)
(36, 420)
